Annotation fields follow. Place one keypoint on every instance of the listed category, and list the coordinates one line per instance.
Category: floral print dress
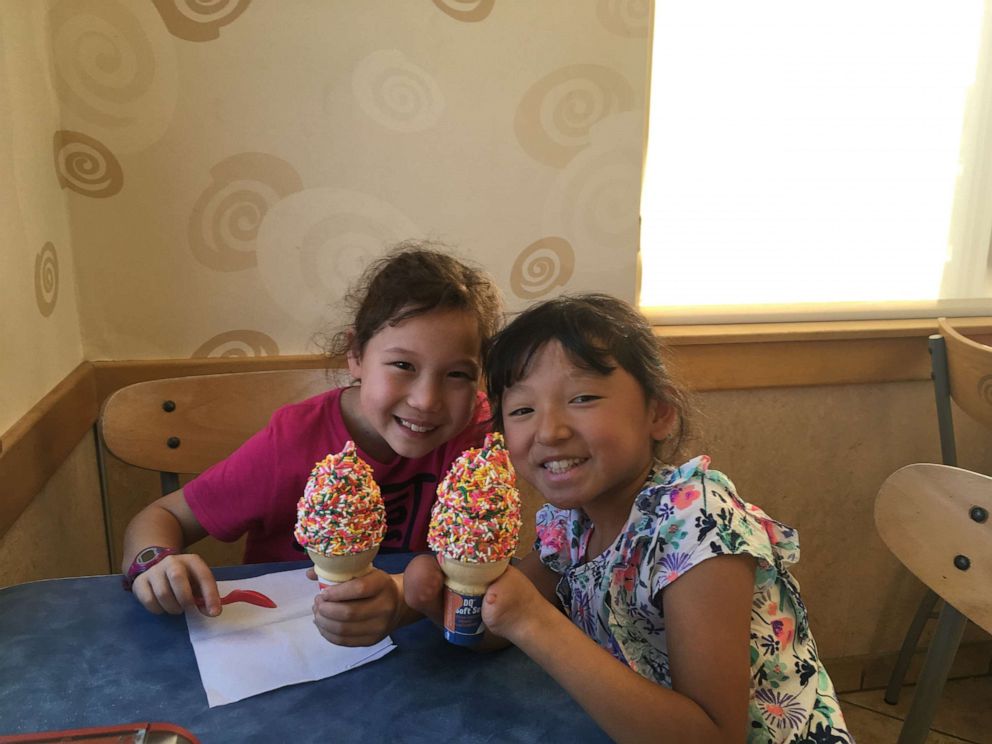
(682, 517)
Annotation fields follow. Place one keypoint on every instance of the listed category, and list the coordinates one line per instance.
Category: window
(818, 160)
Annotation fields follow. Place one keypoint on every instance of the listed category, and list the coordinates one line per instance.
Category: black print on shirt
(404, 502)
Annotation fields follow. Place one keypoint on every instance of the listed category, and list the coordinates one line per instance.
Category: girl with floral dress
(664, 569)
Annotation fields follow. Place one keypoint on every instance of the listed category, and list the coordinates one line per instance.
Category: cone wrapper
(334, 569)
(465, 584)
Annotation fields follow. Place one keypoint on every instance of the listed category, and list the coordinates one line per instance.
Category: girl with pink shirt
(421, 318)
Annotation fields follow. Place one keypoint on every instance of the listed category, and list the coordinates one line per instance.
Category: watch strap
(145, 559)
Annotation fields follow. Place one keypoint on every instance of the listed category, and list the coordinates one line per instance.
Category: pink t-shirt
(255, 490)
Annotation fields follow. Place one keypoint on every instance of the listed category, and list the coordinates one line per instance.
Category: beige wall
(814, 458)
(39, 325)
(247, 163)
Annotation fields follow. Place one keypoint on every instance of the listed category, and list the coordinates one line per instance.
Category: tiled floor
(964, 714)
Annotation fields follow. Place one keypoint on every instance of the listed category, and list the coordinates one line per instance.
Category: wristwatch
(144, 560)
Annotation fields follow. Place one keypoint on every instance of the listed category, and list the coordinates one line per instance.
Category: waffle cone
(471, 578)
(338, 568)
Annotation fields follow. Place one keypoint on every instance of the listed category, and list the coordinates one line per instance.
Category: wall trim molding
(708, 357)
(769, 364)
(41, 440)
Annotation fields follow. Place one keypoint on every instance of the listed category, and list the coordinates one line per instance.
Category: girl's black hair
(598, 332)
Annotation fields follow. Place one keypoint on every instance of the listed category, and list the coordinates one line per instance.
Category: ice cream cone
(465, 584)
(334, 569)
(471, 578)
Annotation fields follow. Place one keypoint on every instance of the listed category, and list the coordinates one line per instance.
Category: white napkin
(247, 649)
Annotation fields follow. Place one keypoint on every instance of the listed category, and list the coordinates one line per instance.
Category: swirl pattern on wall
(625, 17)
(46, 279)
(103, 65)
(314, 244)
(594, 202)
(467, 11)
(541, 267)
(555, 116)
(199, 20)
(985, 389)
(226, 217)
(598, 199)
(396, 93)
(239, 343)
(86, 166)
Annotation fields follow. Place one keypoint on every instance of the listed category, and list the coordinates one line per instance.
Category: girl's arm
(173, 584)
(708, 620)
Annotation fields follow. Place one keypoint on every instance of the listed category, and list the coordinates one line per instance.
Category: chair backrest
(186, 424)
(969, 370)
(937, 520)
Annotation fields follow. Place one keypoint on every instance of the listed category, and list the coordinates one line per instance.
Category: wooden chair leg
(950, 628)
(923, 613)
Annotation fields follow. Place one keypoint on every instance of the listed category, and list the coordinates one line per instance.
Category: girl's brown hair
(416, 277)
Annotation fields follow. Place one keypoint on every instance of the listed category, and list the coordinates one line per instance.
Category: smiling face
(583, 439)
(418, 384)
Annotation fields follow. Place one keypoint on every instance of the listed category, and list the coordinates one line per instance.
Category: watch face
(147, 558)
(146, 555)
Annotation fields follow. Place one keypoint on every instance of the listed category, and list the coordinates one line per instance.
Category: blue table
(82, 652)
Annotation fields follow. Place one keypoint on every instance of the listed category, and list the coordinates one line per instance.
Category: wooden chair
(961, 368)
(186, 424)
(935, 520)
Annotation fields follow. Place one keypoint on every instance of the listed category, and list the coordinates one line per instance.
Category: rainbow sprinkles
(341, 510)
(476, 518)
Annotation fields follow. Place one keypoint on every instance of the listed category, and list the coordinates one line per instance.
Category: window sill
(806, 353)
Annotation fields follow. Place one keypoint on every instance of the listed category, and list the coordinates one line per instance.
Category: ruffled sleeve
(691, 514)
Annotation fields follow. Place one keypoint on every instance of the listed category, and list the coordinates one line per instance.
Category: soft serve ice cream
(341, 518)
(474, 529)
